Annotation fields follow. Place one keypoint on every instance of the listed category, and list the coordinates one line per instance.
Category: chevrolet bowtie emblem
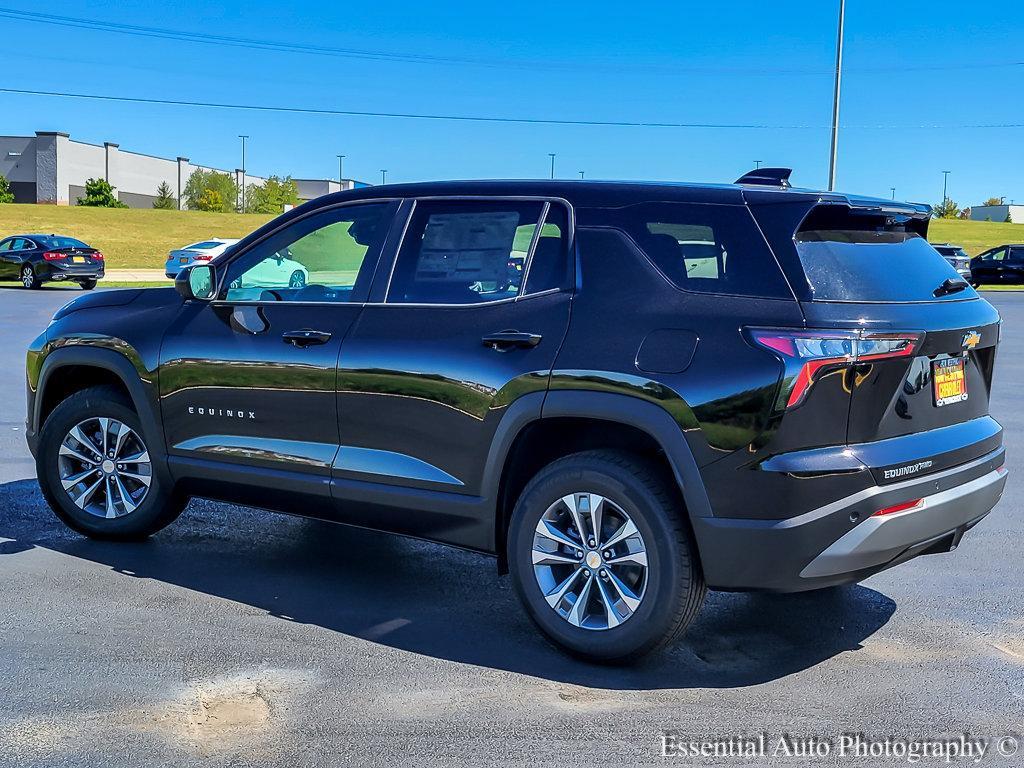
(971, 339)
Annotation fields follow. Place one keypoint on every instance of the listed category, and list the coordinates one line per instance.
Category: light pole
(552, 156)
(945, 178)
(243, 138)
(341, 169)
(581, 174)
(383, 175)
(835, 98)
(757, 164)
(893, 190)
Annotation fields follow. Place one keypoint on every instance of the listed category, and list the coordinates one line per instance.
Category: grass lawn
(974, 236)
(128, 237)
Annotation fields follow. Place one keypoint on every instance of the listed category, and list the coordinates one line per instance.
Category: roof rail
(767, 177)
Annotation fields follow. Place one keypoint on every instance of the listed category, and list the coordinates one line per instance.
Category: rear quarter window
(704, 248)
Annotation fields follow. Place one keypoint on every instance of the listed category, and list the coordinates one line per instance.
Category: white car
(277, 271)
(202, 252)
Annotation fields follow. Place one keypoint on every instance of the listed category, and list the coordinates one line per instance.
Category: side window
(464, 252)
(549, 266)
(999, 255)
(6, 245)
(19, 244)
(1016, 256)
(707, 248)
(323, 257)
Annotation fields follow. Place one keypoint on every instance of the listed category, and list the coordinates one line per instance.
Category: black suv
(741, 387)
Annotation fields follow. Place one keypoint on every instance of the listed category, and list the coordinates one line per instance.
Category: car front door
(247, 381)
(463, 327)
(989, 266)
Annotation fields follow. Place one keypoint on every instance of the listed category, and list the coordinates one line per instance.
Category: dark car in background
(37, 259)
(957, 258)
(1002, 265)
(743, 387)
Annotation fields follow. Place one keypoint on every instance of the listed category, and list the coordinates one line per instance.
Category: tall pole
(341, 169)
(383, 175)
(581, 174)
(757, 164)
(893, 190)
(552, 156)
(945, 178)
(243, 138)
(835, 98)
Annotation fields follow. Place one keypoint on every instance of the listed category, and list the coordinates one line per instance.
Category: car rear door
(989, 266)
(8, 267)
(463, 326)
(1014, 267)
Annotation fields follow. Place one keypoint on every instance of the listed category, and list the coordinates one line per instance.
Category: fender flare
(116, 363)
(647, 417)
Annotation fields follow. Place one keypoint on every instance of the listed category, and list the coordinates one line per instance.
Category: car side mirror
(196, 282)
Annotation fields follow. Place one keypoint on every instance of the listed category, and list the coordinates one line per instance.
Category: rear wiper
(949, 286)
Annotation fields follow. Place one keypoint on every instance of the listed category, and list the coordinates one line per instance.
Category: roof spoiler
(767, 177)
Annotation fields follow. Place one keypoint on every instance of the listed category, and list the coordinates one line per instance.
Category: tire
(87, 285)
(154, 504)
(297, 280)
(671, 589)
(29, 278)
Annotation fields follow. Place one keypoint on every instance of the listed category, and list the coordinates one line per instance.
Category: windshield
(205, 245)
(854, 265)
(63, 242)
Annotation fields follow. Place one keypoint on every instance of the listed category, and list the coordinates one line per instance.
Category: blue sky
(908, 64)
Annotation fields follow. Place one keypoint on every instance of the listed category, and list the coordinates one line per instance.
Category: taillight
(904, 506)
(806, 353)
(97, 256)
(54, 255)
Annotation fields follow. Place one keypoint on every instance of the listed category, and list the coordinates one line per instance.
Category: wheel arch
(610, 420)
(95, 366)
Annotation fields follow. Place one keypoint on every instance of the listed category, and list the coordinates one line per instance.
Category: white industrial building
(52, 168)
(1014, 213)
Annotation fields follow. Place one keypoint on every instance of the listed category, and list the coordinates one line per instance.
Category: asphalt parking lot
(240, 637)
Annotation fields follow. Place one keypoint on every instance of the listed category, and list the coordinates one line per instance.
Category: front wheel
(297, 280)
(96, 472)
(602, 558)
(28, 277)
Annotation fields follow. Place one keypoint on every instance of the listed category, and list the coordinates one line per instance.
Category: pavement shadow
(440, 602)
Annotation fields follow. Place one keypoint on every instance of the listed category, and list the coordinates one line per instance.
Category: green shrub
(6, 196)
(201, 182)
(99, 194)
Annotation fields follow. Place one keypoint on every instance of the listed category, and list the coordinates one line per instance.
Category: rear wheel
(87, 285)
(96, 472)
(28, 277)
(297, 280)
(602, 558)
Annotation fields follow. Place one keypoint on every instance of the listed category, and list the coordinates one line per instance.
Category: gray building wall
(52, 168)
(1015, 213)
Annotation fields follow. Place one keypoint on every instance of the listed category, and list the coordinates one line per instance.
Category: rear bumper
(844, 541)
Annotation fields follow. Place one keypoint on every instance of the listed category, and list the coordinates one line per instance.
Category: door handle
(305, 337)
(508, 339)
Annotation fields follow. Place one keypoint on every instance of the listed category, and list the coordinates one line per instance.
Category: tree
(165, 201)
(201, 182)
(947, 209)
(99, 194)
(993, 201)
(210, 200)
(6, 196)
(271, 196)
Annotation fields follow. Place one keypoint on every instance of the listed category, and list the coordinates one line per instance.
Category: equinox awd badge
(225, 412)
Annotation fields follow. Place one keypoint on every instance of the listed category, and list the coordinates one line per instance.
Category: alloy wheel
(104, 467)
(28, 277)
(590, 561)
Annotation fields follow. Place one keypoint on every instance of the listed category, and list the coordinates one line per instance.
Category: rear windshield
(62, 242)
(856, 265)
(205, 245)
